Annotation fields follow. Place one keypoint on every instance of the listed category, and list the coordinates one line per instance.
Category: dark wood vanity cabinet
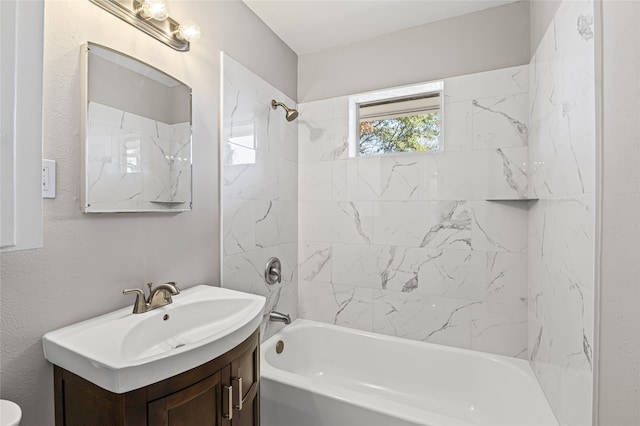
(222, 392)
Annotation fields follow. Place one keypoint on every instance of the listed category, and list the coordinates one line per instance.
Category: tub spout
(279, 317)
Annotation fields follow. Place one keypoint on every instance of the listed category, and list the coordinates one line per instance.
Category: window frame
(392, 94)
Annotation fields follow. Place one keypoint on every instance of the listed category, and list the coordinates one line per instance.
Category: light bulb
(189, 31)
(155, 9)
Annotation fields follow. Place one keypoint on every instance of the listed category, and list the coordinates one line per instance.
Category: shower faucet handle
(273, 271)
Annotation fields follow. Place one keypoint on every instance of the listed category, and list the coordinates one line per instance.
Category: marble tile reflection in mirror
(137, 136)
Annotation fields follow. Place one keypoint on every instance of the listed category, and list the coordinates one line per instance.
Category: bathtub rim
(391, 408)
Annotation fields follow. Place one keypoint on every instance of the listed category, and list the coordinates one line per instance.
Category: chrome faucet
(158, 296)
(279, 317)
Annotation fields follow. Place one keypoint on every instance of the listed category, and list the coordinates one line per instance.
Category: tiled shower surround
(259, 190)
(410, 244)
(485, 244)
(562, 223)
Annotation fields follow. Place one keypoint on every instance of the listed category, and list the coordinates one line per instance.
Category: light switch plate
(48, 179)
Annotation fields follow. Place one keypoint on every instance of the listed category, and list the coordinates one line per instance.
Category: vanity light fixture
(152, 17)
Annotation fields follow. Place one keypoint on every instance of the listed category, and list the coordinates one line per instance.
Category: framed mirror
(136, 142)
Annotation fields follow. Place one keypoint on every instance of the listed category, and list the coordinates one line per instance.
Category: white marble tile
(499, 328)
(323, 140)
(418, 317)
(399, 223)
(287, 184)
(315, 181)
(257, 181)
(562, 175)
(388, 178)
(380, 267)
(315, 261)
(259, 191)
(500, 122)
(345, 222)
(336, 304)
(501, 174)
(448, 176)
(499, 226)
(561, 161)
(506, 278)
(344, 180)
(458, 126)
(458, 274)
(275, 222)
(281, 136)
(448, 225)
(506, 81)
(239, 226)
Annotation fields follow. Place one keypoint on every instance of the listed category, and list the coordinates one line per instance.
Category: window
(407, 119)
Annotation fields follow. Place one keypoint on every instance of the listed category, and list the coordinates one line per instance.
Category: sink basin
(121, 351)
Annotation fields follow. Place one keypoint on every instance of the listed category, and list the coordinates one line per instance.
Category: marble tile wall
(259, 190)
(409, 244)
(562, 223)
(135, 162)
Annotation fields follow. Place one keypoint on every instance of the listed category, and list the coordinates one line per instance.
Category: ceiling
(307, 26)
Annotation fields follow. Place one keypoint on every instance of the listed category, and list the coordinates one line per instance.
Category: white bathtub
(335, 376)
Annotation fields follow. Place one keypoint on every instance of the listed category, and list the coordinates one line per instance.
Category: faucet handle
(140, 304)
(150, 285)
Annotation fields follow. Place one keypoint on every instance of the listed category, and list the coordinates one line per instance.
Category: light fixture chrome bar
(160, 30)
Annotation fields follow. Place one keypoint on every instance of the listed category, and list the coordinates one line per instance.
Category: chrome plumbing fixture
(292, 114)
(279, 317)
(273, 271)
(158, 296)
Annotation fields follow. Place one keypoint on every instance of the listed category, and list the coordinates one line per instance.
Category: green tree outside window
(400, 134)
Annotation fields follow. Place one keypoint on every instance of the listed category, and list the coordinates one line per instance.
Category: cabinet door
(245, 379)
(201, 404)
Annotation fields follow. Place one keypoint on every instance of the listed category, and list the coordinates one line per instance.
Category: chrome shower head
(292, 114)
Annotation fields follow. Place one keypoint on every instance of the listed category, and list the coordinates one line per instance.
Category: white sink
(122, 351)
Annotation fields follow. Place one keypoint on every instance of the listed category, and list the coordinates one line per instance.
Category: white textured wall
(482, 41)
(88, 259)
(619, 344)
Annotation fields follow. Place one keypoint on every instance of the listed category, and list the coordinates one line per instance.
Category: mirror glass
(137, 136)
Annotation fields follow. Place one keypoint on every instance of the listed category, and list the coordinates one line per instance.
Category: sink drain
(179, 346)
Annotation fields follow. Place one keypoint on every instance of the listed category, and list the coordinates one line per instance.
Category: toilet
(10, 413)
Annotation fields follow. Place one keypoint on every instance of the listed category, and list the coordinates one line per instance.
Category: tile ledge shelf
(512, 199)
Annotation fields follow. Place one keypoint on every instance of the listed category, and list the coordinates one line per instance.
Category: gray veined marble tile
(388, 178)
(346, 222)
(448, 225)
(500, 122)
(430, 319)
(336, 304)
(506, 174)
(500, 226)
(379, 267)
(500, 329)
(315, 261)
(457, 274)
(238, 221)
